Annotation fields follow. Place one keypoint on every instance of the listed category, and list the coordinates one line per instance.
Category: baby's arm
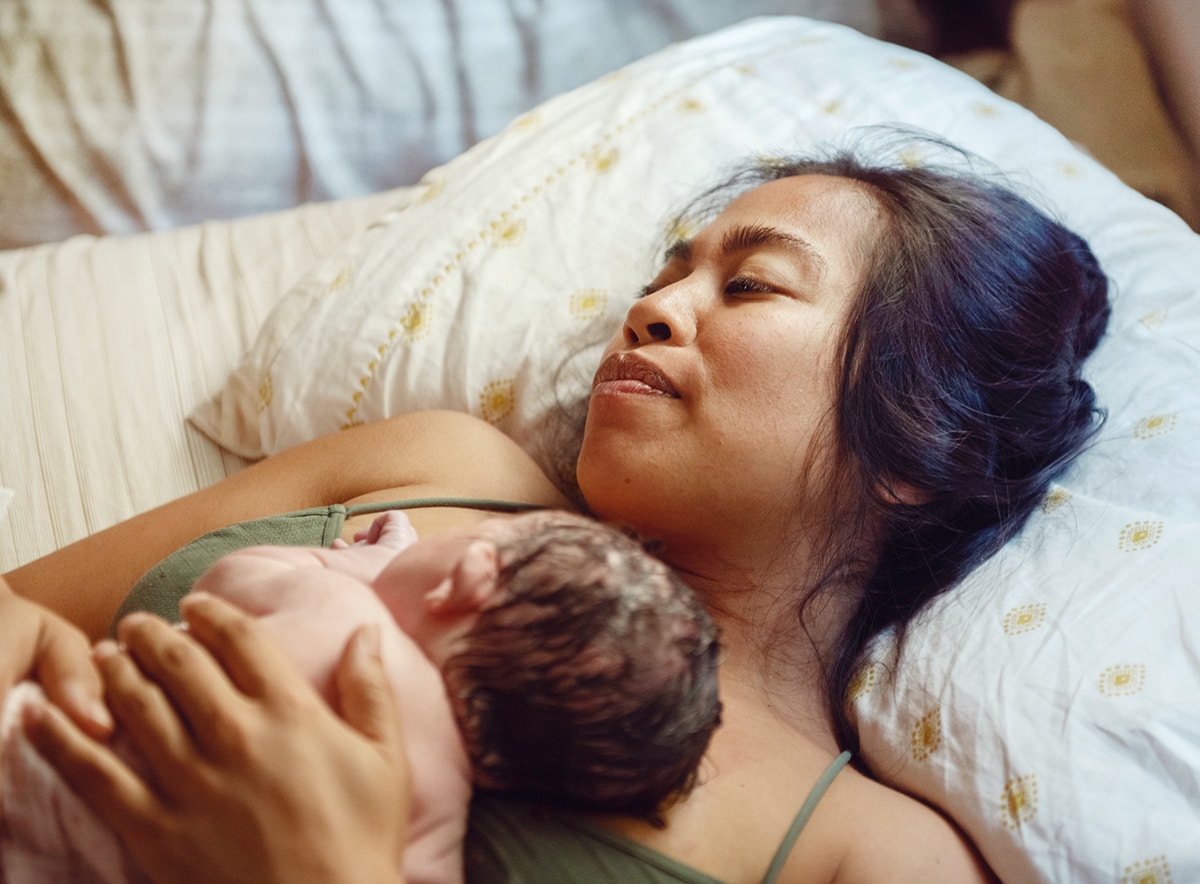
(310, 599)
(262, 579)
(310, 610)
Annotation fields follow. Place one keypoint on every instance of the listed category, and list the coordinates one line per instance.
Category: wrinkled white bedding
(126, 116)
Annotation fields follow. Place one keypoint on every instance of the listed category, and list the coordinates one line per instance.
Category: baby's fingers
(394, 531)
(391, 529)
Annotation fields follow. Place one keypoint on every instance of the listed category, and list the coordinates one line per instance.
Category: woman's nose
(664, 315)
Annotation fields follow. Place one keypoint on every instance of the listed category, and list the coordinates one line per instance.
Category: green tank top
(160, 589)
(514, 842)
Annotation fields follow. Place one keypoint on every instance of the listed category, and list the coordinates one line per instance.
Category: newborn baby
(528, 655)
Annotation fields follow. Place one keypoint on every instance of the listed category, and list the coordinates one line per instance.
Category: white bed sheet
(106, 343)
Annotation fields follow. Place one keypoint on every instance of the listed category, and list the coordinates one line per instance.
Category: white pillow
(1052, 705)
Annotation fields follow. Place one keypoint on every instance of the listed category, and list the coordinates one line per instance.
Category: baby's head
(590, 677)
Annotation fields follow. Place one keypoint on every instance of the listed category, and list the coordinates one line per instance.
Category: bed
(1050, 705)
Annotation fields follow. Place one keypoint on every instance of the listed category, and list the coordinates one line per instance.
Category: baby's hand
(391, 529)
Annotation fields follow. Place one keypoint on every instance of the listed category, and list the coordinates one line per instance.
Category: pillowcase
(1051, 705)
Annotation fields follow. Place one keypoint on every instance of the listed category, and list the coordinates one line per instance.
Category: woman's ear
(470, 585)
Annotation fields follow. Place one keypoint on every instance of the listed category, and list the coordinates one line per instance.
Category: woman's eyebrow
(747, 237)
(744, 238)
(681, 249)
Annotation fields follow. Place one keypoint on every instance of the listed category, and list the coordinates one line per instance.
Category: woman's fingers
(35, 643)
(364, 694)
(195, 683)
(148, 720)
(101, 780)
(252, 661)
(204, 707)
(66, 673)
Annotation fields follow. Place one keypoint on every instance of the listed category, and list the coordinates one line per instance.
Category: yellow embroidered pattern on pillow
(927, 735)
(1055, 498)
(602, 161)
(863, 681)
(265, 391)
(1139, 536)
(1154, 320)
(1024, 618)
(1019, 801)
(1148, 871)
(1155, 425)
(1123, 681)
(504, 233)
(497, 400)
(588, 303)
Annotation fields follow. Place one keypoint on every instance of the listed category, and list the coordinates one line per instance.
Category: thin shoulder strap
(470, 503)
(806, 810)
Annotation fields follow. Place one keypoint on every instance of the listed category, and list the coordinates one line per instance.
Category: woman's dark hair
(960, 397)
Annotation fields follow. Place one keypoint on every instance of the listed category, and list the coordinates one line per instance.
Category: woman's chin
(632, 415)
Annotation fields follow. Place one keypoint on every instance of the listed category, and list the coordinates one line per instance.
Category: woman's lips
(627, 373)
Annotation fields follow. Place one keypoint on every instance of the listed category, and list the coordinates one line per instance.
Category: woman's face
(715, 399)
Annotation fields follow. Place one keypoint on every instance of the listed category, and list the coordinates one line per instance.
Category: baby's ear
(471, 585)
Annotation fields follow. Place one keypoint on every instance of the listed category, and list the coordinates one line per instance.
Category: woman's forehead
(835, 222)
(822, 206)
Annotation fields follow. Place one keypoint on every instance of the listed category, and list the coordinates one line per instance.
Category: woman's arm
(435, 453)
(251, 777)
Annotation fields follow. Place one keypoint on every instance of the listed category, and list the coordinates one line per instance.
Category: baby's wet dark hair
(592, 682)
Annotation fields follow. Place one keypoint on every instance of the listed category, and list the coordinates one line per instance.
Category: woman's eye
(646, 290)
(744, 285)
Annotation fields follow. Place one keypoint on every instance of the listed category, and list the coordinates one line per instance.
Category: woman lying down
(851, 387)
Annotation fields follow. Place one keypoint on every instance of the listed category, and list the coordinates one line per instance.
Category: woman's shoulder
(882, 834)
(442, 453)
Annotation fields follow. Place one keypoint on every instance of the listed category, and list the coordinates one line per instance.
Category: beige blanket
(1079, 65)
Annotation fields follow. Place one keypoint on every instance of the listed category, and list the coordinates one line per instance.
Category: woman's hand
(37, 643)
(251, 777)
